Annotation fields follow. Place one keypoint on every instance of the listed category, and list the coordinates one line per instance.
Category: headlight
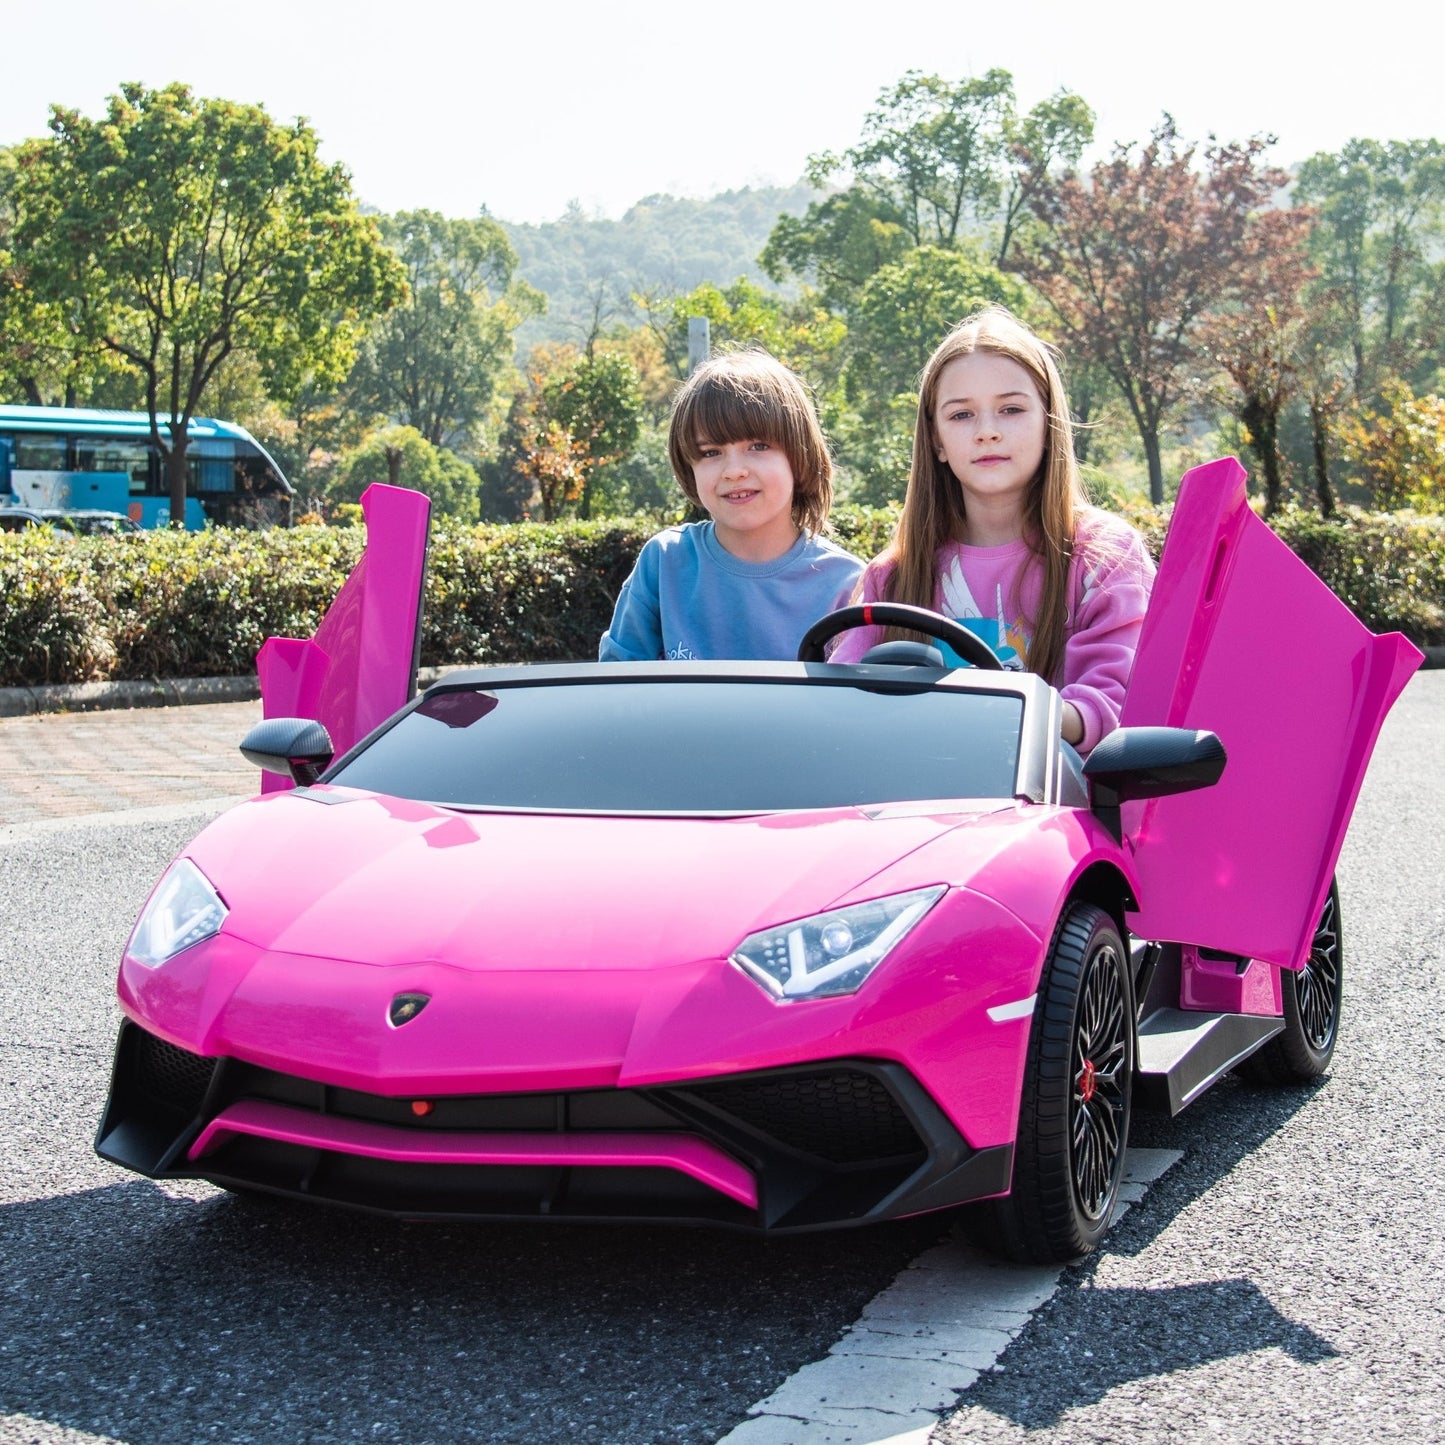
(832, 953)
(183, 910)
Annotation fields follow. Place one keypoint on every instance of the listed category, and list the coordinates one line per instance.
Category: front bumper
(831, 1143)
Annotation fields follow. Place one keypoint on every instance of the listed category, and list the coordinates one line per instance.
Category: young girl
(746, 447)
(997, 533)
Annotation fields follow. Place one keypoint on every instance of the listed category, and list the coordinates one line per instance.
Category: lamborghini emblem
(405, 1007)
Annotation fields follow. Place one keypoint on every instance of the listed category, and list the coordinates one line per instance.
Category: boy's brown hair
(749, 395)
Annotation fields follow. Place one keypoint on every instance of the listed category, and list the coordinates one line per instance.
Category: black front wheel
(1077, 1099)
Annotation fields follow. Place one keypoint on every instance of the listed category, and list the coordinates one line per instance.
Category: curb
(103, 696)
(180, 691)
(154, 692)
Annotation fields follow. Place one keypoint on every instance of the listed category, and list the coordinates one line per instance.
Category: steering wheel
(968, 645)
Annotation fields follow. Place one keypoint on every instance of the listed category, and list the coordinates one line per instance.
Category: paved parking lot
(57, 765)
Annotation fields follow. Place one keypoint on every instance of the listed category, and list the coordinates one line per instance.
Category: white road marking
(46, 1432)
(926, 1338)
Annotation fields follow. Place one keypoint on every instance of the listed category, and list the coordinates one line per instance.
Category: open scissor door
(361, 665)
(1242, 639)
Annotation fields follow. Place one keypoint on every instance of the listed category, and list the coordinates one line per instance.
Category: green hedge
(167, 604)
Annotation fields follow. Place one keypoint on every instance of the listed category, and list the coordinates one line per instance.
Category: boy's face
(746, 487)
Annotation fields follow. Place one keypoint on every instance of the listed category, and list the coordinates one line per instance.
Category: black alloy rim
(1317, 984)
(1100, 1063)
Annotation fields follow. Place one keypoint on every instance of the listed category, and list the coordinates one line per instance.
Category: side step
(1181, 1053)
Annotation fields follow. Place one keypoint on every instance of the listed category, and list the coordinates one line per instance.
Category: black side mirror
(295, 747)
(1150, 763)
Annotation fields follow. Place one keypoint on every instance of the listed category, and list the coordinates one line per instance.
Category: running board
(1181, 1053)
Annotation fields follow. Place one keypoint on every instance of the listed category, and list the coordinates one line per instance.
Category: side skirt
(1181, 1053)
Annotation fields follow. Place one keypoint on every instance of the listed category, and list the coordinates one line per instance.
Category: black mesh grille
(172, 1075)
(842, 1115)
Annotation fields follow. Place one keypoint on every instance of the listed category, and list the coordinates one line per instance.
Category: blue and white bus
(73, 458)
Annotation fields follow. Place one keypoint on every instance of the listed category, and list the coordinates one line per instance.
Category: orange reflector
(422, 1107)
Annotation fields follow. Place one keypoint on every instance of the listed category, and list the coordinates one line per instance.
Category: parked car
(80, 522)
(775, 946)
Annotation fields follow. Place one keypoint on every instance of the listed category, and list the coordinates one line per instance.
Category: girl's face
(990, 425)
(746, 487)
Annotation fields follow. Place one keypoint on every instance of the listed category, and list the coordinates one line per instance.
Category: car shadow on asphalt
(151, 1313)
(1098, 1338)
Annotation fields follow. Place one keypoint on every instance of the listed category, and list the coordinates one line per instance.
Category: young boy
(746, 447)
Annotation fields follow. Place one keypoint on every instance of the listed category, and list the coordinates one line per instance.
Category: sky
(526, 107)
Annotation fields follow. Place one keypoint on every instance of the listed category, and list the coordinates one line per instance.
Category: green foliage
(909, 306)
(402, 456)
(590, 266)
(537, 592)
(799, 331)
(435, 362)
(161, 604)
(838, 243)
(578, 412)
(642, 484)
(53, 625)
(1400, 448)
(598, 399)
(1389, 568)
(178, 604)
(177, 230)
(1381, 208)
(938, 162)
(864, 531)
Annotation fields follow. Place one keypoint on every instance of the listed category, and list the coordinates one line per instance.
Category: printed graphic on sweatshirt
(681, 653)
(1008, 639)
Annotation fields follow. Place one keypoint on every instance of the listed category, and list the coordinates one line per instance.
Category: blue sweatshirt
(689, 597)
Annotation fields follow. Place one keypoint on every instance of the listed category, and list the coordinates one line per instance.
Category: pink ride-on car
(769, 946)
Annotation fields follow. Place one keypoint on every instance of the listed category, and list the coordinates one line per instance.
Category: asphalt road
(1283, 1282)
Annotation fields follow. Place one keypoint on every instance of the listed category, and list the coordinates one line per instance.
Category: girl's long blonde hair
(933, 510)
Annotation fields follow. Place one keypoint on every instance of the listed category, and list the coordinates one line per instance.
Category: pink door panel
(360, 667)
(1243, 639)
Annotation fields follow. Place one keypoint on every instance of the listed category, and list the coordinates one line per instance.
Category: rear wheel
(1077, 1098)
(1312, 997)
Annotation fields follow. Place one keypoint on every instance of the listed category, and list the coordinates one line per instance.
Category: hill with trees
(590, 267)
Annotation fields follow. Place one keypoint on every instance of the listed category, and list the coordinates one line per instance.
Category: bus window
(212, 466)
(104, 455)
(35, 453)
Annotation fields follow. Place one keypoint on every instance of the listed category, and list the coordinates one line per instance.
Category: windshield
(700, 746)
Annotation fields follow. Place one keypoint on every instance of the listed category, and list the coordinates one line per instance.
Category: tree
(435, 361)
(181, 229)
(401, 457)
(1133, 258)
(1400, 448)
(908, 307)
(1381, 206)
(597, 400)
(838, 243)
(938, 163)
(902, 313)
(800, 332)
(1258, 335)
(576, 414)
(43, 356)
(931, 150)
(1055, 132)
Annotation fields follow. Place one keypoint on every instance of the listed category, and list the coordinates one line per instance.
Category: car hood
(379, 880)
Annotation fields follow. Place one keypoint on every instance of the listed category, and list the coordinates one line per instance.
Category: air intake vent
(841, 1115)
(171, 1075)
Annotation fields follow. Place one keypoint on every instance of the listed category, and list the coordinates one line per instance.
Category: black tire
(1312, 998)
(1077, 1100)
